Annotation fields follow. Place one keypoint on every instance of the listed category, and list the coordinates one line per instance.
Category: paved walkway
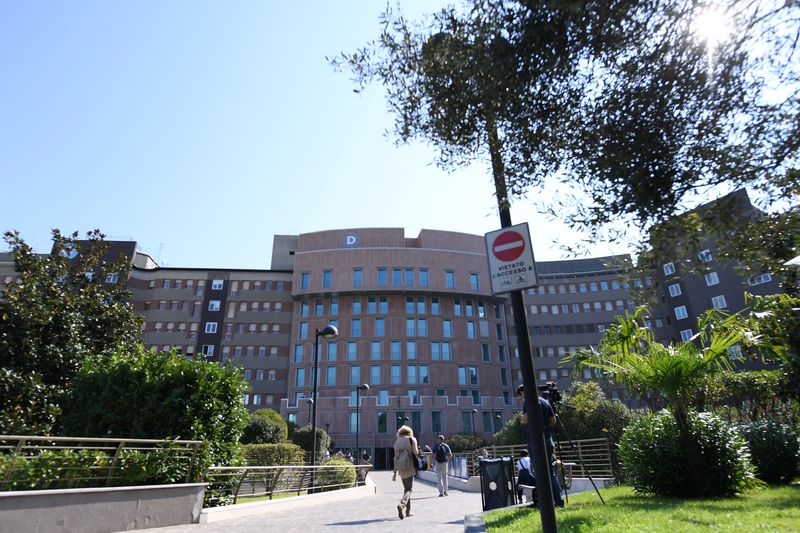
(372, 513)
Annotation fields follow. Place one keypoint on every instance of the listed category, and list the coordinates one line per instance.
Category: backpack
(403, 460)
(441, 453)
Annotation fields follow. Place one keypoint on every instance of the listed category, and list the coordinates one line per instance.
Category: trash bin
(497, 483)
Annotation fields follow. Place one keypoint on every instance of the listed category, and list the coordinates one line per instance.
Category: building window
(674, 290)
(395, 375)
(686, 335)
(303, 333)
(411, 349)
(669, 269)
(449, 279)
(358, 277)
(211, 327)
(355, 375)
(423, 278)
(411, 374)
(422, 327)
(758, 280)
(375, 374)
(305, 280)
(719, 302)
(704, 256)
(382, 277)
(271, 375)
(474, 282)
(379, 327)
(680, 312)
(383, 397)
(217, 284)
(424, 375)
(355, 327)
(375, 352)
(327, 279)
(435, 306)
(470, 330)
(487, 356)
(436, 422)
(356, 305)
(397, 277)
(409, 275)
(712, 279)
(381, 422)
(351, 351)
(395, 351)
(734, 352)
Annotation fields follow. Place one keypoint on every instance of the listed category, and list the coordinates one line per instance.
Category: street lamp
(499, 421)
(328, 332)
(365, 388)
(474, 412)
(310, 402)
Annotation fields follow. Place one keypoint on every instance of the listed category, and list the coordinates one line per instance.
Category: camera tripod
(577, 452)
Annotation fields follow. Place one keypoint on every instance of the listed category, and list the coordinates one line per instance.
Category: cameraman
(549, 421)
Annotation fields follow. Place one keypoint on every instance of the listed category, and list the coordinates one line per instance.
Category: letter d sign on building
(511, 264)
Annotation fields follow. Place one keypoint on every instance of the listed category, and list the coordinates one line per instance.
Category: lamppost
(365, 388)
(310, 402)
(474, 412)
(328, 332)
(499, 421)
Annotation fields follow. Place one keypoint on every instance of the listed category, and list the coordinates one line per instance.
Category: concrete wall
(100, 510)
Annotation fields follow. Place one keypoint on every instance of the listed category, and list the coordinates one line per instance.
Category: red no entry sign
(508, 246)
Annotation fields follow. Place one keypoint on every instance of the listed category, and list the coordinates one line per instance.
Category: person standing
(524, 476)
(405, 454)
(441, 455)
(549, 422)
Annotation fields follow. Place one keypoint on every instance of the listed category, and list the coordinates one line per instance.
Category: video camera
(550, 392)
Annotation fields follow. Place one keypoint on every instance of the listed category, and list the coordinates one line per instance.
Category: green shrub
(63, 469)
(774, 448)
(303, 438)
(465, 442)
(593, 416)
(284, 453)
(512, 434)
(277, 418)
(152, 395)
(656, 463)
(336, 478)
(261, 430)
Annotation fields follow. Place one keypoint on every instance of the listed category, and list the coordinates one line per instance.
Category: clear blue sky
(200, 129)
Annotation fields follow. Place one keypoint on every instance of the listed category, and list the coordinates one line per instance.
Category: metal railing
(589, 457)
(227, 484)
(44, 462)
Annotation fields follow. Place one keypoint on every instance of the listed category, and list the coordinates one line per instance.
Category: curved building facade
(417, 323)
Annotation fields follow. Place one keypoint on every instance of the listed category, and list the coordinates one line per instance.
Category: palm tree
(629, 354)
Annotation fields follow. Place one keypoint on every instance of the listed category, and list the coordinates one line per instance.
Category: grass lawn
(770, 509)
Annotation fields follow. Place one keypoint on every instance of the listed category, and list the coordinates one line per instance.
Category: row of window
(718, 302)
(703, 256)
(216, 285)
(400, 277)
(258, 399)
(492, 422)
(382, 397)
(439, 351)
(568, 329)
(575, 288)
(414, 306)
(585, 307)
(414, 327)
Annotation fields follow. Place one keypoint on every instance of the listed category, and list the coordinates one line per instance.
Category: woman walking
(405, 453)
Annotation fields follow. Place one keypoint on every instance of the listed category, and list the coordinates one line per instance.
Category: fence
(227, 484)
(36, 462)
(590, 457)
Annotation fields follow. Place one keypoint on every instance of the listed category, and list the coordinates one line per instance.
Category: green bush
(277, 418)
(655, 462)
(336, 478)
(593, 416)
(152, 395)
(465, 442)
(63, 469)
(512, 434)
(775, 450)
(261, 430)
(284, 453)
(303, 438)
